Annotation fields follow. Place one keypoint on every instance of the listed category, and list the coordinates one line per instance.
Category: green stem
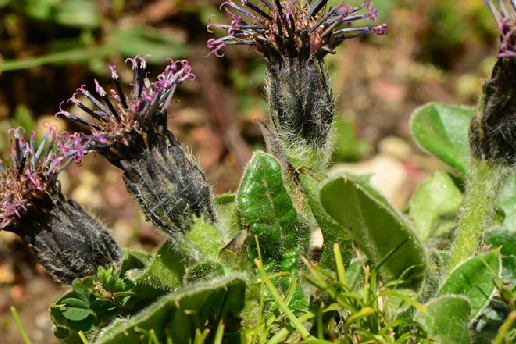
(484, 183)
(26, 338)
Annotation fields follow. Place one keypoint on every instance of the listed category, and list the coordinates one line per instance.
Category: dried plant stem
(484, 183)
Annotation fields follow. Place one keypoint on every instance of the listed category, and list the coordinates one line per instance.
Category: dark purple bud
(292, 29)
(131, 132)
(67, 241)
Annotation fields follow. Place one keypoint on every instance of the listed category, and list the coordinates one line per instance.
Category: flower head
(131, 132)
(504, 12)
(118, 117)
(33, 173)
(67, 241)
(293, 28)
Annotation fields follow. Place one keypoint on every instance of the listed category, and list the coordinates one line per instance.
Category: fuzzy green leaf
(507, 204)
(446, 319)
(180, 314)
(204, 238)
(227, 212)
(134, 259)
(165, 271)
(435, 206)
(442, 130)
(266, 209)
(332, 231)
(474, 279)
(376, 227)
(506, 239)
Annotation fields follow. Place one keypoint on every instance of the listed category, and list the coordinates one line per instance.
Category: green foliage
(227, 211)
(435, 206)
(507, 204)
(447, 319)
(332, 231)
(266, 209)
(442, 130)
(355, 317)
(179, 315)
(195, 289)
(474, 279)
(92, 303)
(165, 271)
(378, 229)
(506, 241)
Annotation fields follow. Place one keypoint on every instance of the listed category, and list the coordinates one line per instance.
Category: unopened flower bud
(131, 132)
(68, 242)
(294, 37)
(493, 130)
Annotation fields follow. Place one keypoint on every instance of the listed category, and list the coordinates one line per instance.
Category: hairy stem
(484, 183)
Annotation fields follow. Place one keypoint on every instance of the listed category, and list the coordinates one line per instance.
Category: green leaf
(435, 206)
(78, 13)
(266, 209)
(442, 130)
(205, 238)
(70, 313)
(474, 279)
(165, 271)
(332, 231)
(144, 40)
(135, 259)
(82, 288)
(447, 319)
(76, 313)
(227, 212)
(377, 228)
(204, 271)
(506, 239)
(180, 314)
(507, 204)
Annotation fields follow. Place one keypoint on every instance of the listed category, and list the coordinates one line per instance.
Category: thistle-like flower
(493, 129)
(294, 36)
(131, 132)
(67, 241)
(504, 12)
(294, 28)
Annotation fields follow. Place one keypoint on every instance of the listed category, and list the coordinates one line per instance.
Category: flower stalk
(491, 137)
(484, 183)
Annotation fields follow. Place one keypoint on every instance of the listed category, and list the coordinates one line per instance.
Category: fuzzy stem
(484, 183)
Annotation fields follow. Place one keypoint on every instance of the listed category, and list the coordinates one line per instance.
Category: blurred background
(436, 50)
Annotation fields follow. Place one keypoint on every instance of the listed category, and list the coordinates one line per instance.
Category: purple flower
(116, 114)
(505, 14)
(131, 132)
(293, 28)
(67, 241)
(34, 169)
